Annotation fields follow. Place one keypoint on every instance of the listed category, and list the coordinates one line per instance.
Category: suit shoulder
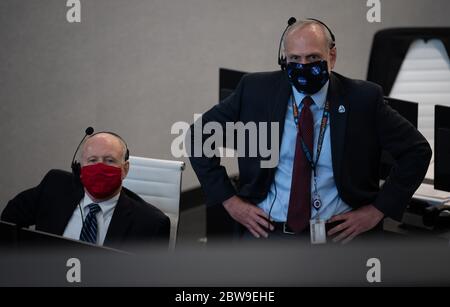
(59, 173)
(57, 176)
(268, 76)
(150, 210)
(358, 86)
(263, 81)
(143, 208)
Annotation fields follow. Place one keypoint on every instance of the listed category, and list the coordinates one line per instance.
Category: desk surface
(427, 193)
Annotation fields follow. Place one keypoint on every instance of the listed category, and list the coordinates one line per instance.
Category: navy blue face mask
(308, 78)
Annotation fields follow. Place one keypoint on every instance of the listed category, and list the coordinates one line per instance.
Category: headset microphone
(75, 164)
(291, 21)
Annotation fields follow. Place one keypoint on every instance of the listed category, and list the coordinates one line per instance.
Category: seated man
(97, 209)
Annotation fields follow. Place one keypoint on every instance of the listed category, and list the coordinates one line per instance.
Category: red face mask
(101, 180)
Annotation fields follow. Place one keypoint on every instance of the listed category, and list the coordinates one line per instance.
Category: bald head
(311, 25)
(103, 147)
(309, 41)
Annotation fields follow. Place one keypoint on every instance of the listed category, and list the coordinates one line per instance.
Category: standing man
(332, 132)
(99, 210)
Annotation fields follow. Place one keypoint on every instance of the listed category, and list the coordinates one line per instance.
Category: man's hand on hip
(252, 217)
(355, 222)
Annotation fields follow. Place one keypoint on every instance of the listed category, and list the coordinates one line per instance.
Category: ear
(333, 55)
(125, 169)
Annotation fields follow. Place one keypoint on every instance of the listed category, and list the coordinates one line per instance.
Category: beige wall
(136, 67)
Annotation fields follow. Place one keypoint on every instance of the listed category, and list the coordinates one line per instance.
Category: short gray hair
(303, 23)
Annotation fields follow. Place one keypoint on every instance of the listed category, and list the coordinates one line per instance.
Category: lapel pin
(341, 109)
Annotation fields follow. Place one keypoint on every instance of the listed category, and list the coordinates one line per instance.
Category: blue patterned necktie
(89, 230)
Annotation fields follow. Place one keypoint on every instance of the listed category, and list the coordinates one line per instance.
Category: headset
(282, 61)
(76, 166)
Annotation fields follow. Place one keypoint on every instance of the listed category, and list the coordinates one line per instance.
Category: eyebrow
(105, 157)
(307, 55)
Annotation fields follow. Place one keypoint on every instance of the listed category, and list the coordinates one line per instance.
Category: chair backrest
(425, 77)
(158, 182)
(413, 64)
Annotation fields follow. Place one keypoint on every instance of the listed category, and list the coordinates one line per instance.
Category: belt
(283, 227)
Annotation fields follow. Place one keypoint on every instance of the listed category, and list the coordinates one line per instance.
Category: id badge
(318, 232)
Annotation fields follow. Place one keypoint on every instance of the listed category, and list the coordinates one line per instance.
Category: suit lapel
(338, 124)
(277, 114)
(120, 221)
(281, 101)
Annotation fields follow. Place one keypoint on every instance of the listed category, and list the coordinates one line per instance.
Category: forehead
(307, 38)
(102, 144)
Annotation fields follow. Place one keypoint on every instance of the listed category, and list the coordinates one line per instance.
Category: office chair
(158, 182)
(413, 64)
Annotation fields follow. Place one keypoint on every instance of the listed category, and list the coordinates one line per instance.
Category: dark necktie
(299, 212)
(89, 230)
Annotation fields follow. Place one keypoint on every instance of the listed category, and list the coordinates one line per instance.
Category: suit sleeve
(212, 176)
(412, 155)
(163, 231)
(23, 209)
(155, 233)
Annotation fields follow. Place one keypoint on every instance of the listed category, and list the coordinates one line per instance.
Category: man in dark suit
(95, 209)
(332, 132)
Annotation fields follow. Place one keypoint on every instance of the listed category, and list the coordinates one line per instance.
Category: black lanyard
(323, 128)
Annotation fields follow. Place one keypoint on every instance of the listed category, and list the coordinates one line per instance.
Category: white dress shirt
(73, 228)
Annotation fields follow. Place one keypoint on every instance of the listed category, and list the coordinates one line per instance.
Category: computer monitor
(15, 237)
(407, 109)
(228, 81)
(442, 148)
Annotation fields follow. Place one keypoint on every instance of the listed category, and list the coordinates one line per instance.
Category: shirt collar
(319, 98)
(106, 205)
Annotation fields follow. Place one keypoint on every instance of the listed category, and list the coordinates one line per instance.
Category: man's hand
(355, 223)
(252, 217)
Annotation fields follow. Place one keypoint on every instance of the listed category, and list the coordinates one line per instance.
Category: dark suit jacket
(358, 137)
(51, 204)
